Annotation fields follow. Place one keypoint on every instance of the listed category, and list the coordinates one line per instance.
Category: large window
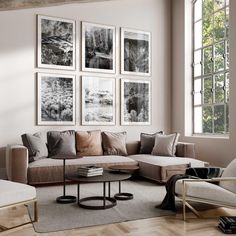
(211, 66)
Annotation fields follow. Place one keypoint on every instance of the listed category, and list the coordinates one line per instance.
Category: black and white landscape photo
(56, 43)
(56, 99)
(135, 102)
(98, 48)
(135, 52)
(98, 101)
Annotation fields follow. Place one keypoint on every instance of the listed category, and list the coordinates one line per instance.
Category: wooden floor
(161, 226)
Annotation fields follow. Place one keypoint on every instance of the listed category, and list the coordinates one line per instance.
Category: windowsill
(207, 136)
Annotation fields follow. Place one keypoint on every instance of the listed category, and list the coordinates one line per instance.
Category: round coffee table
(107, 177)
(123, 196)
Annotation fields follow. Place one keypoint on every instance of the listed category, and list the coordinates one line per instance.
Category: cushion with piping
(36, 146)
(89, 143)
(147, 142)
(114, 143)
(61, 144)
(165, 145)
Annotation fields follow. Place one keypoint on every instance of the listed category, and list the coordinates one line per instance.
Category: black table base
(112, 202)
(123, 196)
(66, 199)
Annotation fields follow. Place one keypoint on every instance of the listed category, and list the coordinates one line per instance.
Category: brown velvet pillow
(89, 143)
(114, 143)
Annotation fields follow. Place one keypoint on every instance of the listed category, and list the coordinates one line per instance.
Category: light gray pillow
(61, 143)
(165, 145)
(230, 171)
(36, 146)
(147, 142)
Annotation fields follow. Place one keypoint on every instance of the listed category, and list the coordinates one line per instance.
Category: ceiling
(20, 4)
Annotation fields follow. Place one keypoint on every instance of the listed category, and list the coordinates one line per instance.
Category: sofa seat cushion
(12, 193)
(50, 170)
(207, 191)
(161, 168)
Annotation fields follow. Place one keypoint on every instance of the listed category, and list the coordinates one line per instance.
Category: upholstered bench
(15, 194)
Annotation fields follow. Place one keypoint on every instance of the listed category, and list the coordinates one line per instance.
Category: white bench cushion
(207, 191)
(12, 193)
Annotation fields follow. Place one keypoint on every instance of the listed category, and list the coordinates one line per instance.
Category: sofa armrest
(17, 163)
(185, 150)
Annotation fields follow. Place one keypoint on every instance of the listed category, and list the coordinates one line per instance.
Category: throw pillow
(230, 171)
(114, 143)
(36, 146)
(165, 145)
(61, 143)
(89, 143)
(147, 142)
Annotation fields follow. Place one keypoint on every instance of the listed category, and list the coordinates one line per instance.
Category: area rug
(57, 217)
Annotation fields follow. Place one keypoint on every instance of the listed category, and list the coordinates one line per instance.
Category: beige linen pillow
(89, 143)
(114, 143)
(230, 171)
(165, 145)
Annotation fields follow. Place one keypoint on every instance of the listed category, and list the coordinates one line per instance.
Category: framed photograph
(135, 52)
(135, 102)
(56, 43)
(98, 48)
(98, 101)
(56, 99)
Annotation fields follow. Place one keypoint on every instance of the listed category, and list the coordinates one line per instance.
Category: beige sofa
(49, 170)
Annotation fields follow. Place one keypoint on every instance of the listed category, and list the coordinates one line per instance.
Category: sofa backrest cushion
(147, 142)
(37, 148)
(165, 145)
(230, 171)
(89, 143)
(61, 143)
(114, 143)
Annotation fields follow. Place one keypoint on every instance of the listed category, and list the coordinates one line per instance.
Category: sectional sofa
(48, 170)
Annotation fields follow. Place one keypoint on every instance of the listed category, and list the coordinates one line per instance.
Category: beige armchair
(217, 191)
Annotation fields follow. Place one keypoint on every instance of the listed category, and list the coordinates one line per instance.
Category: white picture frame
(135, 102)
(56, 43)
(135, 52)
(95, 57)
(98, 100)
(56, 99)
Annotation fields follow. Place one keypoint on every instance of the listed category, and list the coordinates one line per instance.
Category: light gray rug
(57, 217)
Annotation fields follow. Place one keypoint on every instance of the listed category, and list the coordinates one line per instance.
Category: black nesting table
(106, 178)
(65, 198)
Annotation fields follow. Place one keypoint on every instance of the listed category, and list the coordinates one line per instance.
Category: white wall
(218, 151)
(18, 63)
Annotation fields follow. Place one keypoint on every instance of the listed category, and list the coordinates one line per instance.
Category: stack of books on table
(227, 224)
(89, 171)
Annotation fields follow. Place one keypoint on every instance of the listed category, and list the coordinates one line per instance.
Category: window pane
(197, 56)
(227, 2)
(197, 70)
(219, 88)
(207, 60)
(207, 7)
(227, 118)
(227, 54)
(198, 120)
(227, 87)
(198, 35)
(197, 92)
(219, 57)
(218, 4)
(207, 120)
(227, 23)
(219, 114)
(219, 28)
(207, 94)
(198, 10)
(207, 30)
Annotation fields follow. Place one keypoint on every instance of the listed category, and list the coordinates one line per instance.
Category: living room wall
(216, 150)
(18, 64)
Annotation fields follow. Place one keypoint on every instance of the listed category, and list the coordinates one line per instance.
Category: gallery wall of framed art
(58, 96)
